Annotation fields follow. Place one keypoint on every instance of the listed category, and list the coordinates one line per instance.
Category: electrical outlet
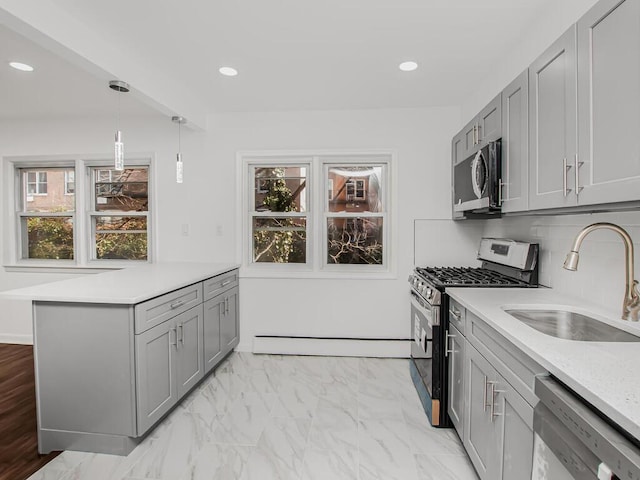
(185, 229)
(219, 230)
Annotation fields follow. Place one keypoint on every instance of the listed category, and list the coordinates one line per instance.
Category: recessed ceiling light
(228, 71)
(408, 66)
(21, 66)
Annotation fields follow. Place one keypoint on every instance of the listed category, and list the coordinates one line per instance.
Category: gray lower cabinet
(456, 359)
(515, 145)
(499, 431)
(608, 99)
(552, 125)
(169, 362)
(221, 332)
(107, 373)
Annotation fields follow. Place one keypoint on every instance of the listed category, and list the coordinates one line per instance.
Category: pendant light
(179, 168)
(120, 87)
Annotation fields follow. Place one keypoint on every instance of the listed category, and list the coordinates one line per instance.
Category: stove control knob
(429, 293)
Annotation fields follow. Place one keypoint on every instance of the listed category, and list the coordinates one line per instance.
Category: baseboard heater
(338, 346)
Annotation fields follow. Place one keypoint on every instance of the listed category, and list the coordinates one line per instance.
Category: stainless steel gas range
(505, 263)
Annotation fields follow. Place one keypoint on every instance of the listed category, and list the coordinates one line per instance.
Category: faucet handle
(632, 305)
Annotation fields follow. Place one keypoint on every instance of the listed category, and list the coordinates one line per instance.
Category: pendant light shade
(120, 87)
(179, 165)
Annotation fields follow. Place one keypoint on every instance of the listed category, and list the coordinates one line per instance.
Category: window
(45, 222)
(36, 182)
(278, 215)
(354, 227)
(58, 222)
(69, 182)
(321, 213)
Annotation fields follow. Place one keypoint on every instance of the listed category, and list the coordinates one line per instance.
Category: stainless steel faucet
(631, 302)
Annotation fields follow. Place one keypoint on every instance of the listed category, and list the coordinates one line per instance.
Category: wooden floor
(18, 439)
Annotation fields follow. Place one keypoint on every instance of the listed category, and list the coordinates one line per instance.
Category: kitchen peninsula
(116, 351)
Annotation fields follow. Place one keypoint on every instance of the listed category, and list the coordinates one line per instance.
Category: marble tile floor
(263, 417)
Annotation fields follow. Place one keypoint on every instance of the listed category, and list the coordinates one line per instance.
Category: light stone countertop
(606, 374)
(127, 286)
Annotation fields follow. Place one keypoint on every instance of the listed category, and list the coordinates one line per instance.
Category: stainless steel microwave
(477, 181)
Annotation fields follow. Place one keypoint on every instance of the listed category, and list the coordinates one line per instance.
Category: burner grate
(468, 276)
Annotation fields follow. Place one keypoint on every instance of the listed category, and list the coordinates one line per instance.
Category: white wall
(600, 277)
(541, 33)
(352, 308)
(173, 202)
(207, 199)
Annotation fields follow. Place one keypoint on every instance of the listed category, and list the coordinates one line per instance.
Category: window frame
(37, 183)
(250, 213)
(318, 195)
(13, 237)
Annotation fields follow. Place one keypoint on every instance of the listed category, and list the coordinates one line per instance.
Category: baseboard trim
(342, 347)
(16, 339)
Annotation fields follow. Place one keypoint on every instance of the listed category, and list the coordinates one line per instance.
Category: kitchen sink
(571, 326)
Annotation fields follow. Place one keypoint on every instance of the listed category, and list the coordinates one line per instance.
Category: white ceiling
(291, 54)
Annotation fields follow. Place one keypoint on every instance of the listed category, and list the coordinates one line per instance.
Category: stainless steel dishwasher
(573, 442)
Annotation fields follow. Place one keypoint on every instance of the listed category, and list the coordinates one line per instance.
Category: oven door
(423, 319)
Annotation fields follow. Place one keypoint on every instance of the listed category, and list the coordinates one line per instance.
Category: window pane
(280, 189)
(125, 191)
(123, 238)
(355, 240)
(280, 240)
(355, 188)
(48, 237)
(45, 190)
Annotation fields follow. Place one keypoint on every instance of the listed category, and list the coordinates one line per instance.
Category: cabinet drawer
(457, 314)
(216, 285)
(153, 312)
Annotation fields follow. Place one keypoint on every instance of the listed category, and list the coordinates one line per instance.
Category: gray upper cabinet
(458, 151)
(490, 122)
(608, 100)
(515, 145)
(485, 127)
(552, 125)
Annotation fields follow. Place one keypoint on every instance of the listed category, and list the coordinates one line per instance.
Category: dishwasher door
(573, 441)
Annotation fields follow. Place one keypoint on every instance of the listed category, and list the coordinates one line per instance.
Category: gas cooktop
(467, 277)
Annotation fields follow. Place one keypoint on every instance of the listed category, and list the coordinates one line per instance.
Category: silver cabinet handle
(180, 338)
(447, 350)
(177, 304)
(175, 333)
(226, 282)
(226, 306)
(577, 172)
(455, 314)
(493, 412)
(484, 394)
(565, 169)
(478, 134)
(501, 184)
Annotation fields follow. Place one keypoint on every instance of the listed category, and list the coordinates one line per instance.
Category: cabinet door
(513, 417)
(189, 359)
(515, 145)
(608, 99)
(552, 125)
(155, 381)
(490, 122)
(480, 432)
(214, 310)
(457, 155)
(470, 138)
(456, 354)
(229, 324)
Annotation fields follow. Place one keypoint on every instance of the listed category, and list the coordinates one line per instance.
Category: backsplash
(600, 277)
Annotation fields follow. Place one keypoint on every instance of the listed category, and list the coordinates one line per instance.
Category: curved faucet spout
(631, 302)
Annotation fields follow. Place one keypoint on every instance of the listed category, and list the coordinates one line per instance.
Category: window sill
(68, 267)
(247, 272)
